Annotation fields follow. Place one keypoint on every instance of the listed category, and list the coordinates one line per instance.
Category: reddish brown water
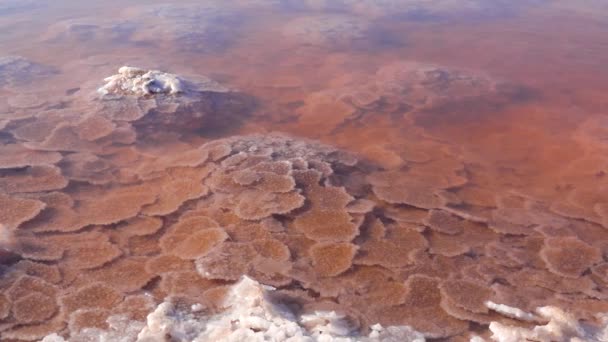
(479, 128)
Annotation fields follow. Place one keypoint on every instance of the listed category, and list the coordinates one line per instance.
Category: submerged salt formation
(17, 71)
(106, 230)
(404, 90)
(327, 30)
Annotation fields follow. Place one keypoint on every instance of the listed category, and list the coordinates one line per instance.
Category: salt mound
(153, 99)
(140, 82)
(136, 81)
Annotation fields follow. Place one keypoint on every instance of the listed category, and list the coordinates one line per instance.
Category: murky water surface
(402, 162)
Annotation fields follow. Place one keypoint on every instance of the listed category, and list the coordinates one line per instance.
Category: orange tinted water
(479, 130)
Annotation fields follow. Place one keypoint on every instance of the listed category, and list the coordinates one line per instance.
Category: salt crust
(250, 315)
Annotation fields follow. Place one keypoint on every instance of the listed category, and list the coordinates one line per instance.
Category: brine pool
(315, 170)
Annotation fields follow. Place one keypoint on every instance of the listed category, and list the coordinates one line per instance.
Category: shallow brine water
(372, 170)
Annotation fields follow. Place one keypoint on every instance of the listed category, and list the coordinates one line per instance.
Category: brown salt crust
(449, 197)
(187, 283)
(417, 196)
(114, 206)
(200, 243)
(140, 226)
(36, 130)
(601, 271)
(88, 318)
(54, 219)
(446, 245)
(500, 254)
(332, 259)
(392, 249)
(406, 214)
(272, 249)
(576, 212)
(63, 138)
(94, 127)
(256, 205)
(510, 200)
(167, 263)
(186, 158)
(52, 198)
(525, 250)
(143, 246)
(123, 134)
(229, 261)
(477, 196)
(17, 156)
(360, 206)
(553, 231)
(127, 274)
(281, 167)
(49, 273)
(327, 225)
(87, 167)
(174, 194)
(487, 271)
(383, 253)
(14, 211)
(522, 297)
(541, 278)
(272, 225)
(422, 310)
(587, 198)
(5, 307)
(466, 294)
(26, 284)
(474, 235)
(25, 101)
(34, 308)
(505, 227)
(136, 307)
(33, 179)
(444, 222)
(246, 231)
(35, 332)
(90, 254)
(569, 256)
(35, 249)
(273, 182)
(184, 228)
(95, 295)
(469, 213)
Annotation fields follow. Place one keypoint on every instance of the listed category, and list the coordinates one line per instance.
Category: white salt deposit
(250, 315)
(136, 81)
(510, 311)
(140, 82)
(561, 326)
